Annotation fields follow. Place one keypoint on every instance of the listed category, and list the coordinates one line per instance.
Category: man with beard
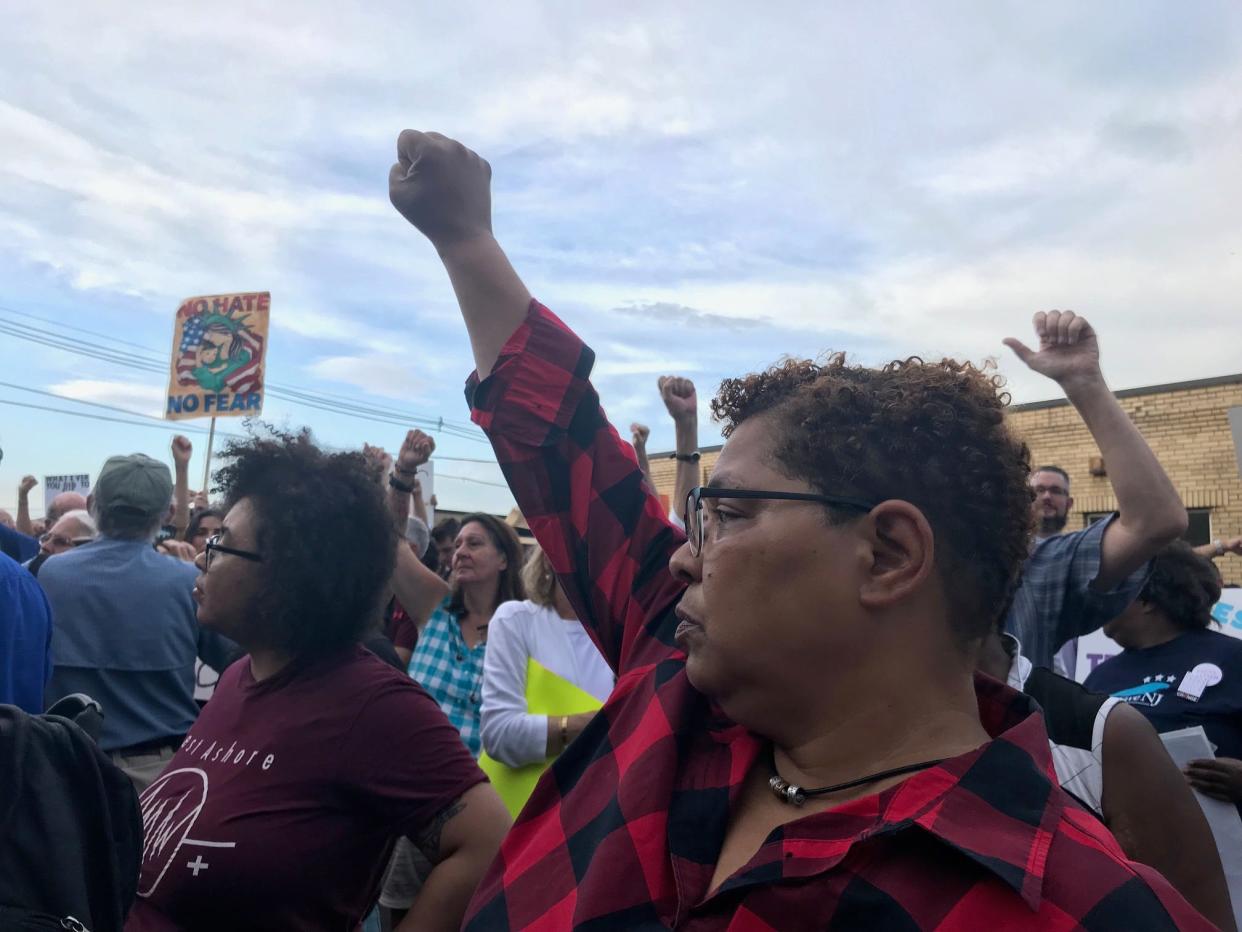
(1072, 584)
(1052, 504)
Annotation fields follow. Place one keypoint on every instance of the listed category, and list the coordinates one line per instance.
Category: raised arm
(182, 450)
(1150, 512)
(577, 483)
(415, 451)
(682, 402)
(417, 588)
(23, 522)
(1219, 547)
(444, 189)
(638, 440)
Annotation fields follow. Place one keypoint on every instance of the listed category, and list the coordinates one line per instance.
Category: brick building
(1187, 425)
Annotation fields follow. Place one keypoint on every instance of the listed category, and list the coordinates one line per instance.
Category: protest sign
(427, 483)
(219, 345)
(1096, 647)
(54, 485)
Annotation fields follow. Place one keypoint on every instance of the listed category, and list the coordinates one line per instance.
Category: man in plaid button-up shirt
(660, 814)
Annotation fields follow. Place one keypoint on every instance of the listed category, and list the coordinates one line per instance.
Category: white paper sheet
(1185, 745)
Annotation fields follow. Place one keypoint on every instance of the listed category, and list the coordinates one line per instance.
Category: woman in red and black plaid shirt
(796, 740)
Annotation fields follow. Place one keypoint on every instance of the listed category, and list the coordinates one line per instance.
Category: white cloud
(132, 396)
(386, 375)
(889, 181)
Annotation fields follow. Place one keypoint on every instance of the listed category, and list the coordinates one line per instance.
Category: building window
(1198, 532)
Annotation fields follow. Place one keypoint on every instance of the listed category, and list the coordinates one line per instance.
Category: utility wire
(156, 359)
(324, 401)
(159, 424)
(352, 411)
(173, 425)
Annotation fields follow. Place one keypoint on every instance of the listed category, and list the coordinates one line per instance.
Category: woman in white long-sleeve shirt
(543, 680)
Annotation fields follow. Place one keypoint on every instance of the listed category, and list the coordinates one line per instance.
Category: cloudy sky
(697, 188)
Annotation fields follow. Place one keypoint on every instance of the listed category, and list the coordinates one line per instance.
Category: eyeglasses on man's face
(57, 540)
(214, 546)
(693, 514)
(1055, 491)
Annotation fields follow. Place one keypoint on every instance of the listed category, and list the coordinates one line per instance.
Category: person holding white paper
(1176, 670)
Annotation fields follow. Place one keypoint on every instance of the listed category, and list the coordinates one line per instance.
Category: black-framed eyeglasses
(214, 546)
(693, 514)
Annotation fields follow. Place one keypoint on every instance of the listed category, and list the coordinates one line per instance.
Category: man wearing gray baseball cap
(124, 626)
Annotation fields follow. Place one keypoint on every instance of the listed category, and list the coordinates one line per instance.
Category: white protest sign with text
(54, 485)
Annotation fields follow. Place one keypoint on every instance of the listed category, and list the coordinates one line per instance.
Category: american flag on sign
(227, 338)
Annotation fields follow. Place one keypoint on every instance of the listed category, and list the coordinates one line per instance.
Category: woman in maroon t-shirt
(281, 808)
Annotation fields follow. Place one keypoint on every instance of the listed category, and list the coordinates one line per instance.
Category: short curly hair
(1183, 585)
(325, 532)
(929, 433)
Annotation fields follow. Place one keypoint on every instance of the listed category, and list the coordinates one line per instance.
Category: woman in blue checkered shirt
(448, 661)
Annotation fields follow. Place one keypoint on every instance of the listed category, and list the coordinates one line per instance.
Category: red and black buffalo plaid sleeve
(580, 489)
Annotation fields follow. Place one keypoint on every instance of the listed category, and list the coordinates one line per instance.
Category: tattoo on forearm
(428, 839)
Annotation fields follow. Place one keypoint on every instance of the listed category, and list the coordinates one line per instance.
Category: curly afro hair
(929, 433)
(1183, 585)
(327, 538)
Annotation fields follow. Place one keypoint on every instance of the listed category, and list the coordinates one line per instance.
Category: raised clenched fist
(639, 434)
(679, 397)
(181, 450)
(415, 450)
(441, 187)
(27, 483)
(1068, 349)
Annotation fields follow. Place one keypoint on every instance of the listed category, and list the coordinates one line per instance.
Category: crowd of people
(833, 686)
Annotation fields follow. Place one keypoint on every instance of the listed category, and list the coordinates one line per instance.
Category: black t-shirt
(1149, 679)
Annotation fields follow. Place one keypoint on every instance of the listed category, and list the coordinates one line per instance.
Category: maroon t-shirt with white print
(281, 808)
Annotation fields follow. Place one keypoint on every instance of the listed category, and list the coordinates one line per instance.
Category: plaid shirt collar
(997, 805)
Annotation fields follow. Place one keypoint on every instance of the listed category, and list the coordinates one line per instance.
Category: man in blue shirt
(125, 627)
(1073, 583)
(25, 638)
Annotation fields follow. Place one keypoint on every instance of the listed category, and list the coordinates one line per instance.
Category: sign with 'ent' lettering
(219, 345)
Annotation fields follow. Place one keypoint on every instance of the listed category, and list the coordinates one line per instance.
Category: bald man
(62, 504)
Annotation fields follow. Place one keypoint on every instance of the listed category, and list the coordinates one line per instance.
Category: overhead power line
(178, 426)
(127, 358)
(174, 427)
